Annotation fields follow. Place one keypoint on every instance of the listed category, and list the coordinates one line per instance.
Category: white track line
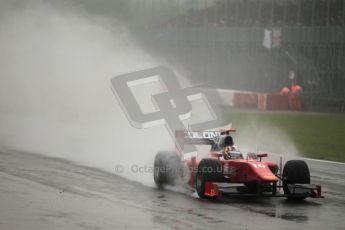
(323, 161)
(308, 159)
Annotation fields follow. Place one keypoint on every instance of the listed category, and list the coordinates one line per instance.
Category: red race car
(227, 171)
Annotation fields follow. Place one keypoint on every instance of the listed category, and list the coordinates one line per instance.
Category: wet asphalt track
(37, 192)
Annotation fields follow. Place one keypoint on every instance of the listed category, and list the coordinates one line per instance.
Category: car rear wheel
(295, 172)
(167, 166)
(208, 170)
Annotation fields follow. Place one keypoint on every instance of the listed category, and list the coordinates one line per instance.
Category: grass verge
(320, 136)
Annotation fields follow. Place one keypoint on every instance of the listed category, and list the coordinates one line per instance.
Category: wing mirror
(261, 155)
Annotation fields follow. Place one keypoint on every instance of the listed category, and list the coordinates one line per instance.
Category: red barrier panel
(264, 101)
(245, 100)
(277, 102)
(273, 102)
(295, 102)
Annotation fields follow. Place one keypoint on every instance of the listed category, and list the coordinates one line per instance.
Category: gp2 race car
(228, 172)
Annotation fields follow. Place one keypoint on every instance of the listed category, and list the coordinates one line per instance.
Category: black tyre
(167, 167)
(295, 172)
(251, 187)
(208, 170)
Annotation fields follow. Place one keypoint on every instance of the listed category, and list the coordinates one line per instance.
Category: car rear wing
(194, 138)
